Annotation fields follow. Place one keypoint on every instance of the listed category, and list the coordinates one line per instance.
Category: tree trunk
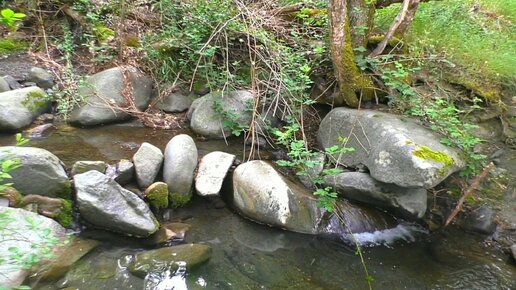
(347, 74)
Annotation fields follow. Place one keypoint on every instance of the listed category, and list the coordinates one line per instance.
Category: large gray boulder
(212, 170)
(147, 163)
(18, 108)
(263, 195)
(407, 202)
(395, 149)
(178, 168)
(105, 89)
(175, 102)
(41, 172)
(19, 233)
(105, 204)
(206, 118)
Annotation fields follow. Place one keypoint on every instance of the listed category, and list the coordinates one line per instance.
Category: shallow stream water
(247, 255)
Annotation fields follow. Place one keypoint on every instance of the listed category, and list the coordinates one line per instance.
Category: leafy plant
(9, 18)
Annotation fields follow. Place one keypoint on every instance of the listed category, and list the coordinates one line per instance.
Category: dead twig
(474, 185)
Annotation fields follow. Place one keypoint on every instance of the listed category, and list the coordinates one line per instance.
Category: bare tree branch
(400, 18)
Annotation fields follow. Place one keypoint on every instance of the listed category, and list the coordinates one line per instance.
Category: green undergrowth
(481, 42)
(8, 46)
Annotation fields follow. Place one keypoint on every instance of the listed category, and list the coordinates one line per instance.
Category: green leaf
(7, 13)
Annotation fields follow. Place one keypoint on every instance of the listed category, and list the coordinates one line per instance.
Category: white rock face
(213, 168)
(263, 195)
(147, 163)
(180, 163)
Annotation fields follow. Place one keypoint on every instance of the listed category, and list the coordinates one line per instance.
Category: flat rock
(19, 108)
(41, 172)
(394, 149)
(213, 168)
(361, 187)
(104, 89)
(105, 204)
(147, 164)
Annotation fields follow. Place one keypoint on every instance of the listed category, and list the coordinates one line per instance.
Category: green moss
(178, 199)
(158, 197)
(8, 46)
(66, 191)
(426, 153)
(64, 217)
(35, 101)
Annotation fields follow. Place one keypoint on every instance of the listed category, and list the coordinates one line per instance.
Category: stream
(247, 255)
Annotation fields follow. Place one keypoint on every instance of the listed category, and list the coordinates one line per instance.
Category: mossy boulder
(157, 195)
(19, 108)
(56, 208)
(394, 148)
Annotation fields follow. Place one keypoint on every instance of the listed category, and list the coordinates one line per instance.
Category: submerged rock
(394, 149)
(147, 164)
(170, 257)
(262, 194)
(212, 170)
(41, 172)
(85, 166)
(18, 234)
(18, 108)
(105, 204)
(480, 220)
(206, 118)
(178, 169)
(408, 202)
(106, 89)
(65, 259)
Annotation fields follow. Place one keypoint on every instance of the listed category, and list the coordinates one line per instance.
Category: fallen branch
(394, 26)
(468, 191)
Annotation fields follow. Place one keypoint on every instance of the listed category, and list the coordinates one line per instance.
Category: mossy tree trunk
(350, 80)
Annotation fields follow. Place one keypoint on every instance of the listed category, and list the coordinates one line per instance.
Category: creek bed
(247, 255)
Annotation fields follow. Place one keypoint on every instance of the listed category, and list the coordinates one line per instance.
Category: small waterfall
(369, 227)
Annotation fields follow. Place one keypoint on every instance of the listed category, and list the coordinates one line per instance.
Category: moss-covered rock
(157, 195)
